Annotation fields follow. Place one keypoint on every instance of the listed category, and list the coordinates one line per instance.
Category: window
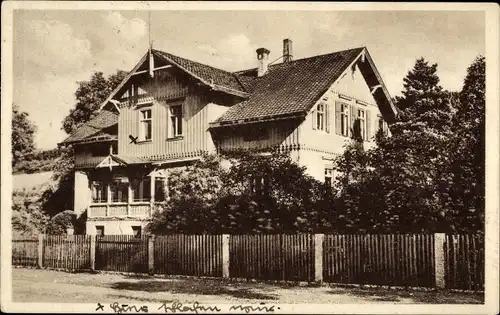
(99, 230)
(142, 190)
(114, 148)
(329, 176)
(99, 192)
(362, 123)
(382, 125)
(176, 120)
(320, 116)
(259, 184)
(146, 125)
(344, 120)
(137, 231)
(160, 194)
(119, 191)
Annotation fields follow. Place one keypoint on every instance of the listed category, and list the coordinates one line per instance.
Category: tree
(255, 193)
(394, 186)
(89, 96)
(466, 172)
(23, 132)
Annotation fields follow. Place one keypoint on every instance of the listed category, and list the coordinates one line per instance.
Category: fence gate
(123, 253)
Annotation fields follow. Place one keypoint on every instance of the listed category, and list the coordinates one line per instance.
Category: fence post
(439, 259)
(225, 255)
(40, 250)
(92, 252)
(151, 254)
(318, 257)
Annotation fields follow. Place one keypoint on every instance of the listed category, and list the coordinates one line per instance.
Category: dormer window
(176, 121)
(146, 122)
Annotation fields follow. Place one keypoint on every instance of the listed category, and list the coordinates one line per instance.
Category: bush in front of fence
(255, 194)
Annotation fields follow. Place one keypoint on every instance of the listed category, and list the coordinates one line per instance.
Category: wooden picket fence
(190, 255)
(464, 266)
(25, 251)
(456, 262)
(272, 257)
(124, 253)
(399, 260)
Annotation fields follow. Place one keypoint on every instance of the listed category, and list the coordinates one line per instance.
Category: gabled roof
(289, 88)
(94, 127)
(207, 74)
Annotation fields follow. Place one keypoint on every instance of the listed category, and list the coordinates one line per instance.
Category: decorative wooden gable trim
(365, 65)
(108, 162)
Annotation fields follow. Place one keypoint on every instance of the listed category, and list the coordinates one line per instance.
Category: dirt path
(32, 285)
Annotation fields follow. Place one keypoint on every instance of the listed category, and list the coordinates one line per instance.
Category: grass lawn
(32, 285)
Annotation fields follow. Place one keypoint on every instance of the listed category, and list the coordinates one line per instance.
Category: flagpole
(150, 44)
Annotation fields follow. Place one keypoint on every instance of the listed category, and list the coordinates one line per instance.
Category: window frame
(329, 173)
(124, 193)
(141, 190)
(176, 119)
(139, 229)
(163, 180)
(362, 123)
(143, 123)
(99, 228)
(104, 187)
(344, 119)
(320, 116)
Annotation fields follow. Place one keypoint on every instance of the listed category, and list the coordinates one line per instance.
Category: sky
(53, 50)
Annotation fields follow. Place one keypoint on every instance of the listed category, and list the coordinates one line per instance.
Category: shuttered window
(321, 117)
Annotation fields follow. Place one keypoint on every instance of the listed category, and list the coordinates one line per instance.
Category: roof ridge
(204, 64)
(239, 72)
(207, 65)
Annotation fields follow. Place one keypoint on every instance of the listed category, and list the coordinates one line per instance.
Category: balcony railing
(136, 209)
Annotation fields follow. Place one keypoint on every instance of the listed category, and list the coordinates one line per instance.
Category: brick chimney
(263, 58)
(287, 50)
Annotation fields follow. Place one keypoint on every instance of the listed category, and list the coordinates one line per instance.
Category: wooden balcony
(136, 209)
(87, 161)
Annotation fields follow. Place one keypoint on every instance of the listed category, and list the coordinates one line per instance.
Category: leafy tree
(89, 95)
(394, 185)
(60, 195)
(59, 223)
(23, 132)
(254, 193)
(27, 216)
(466, 173)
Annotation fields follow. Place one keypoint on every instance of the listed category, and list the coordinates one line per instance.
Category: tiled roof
(125, 159)
(93, 127)
(289, 88)
(206, 73)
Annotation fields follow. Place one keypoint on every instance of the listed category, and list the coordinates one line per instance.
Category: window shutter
(327, 116)
(314, 117)
(368, 125)
(338, 109)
